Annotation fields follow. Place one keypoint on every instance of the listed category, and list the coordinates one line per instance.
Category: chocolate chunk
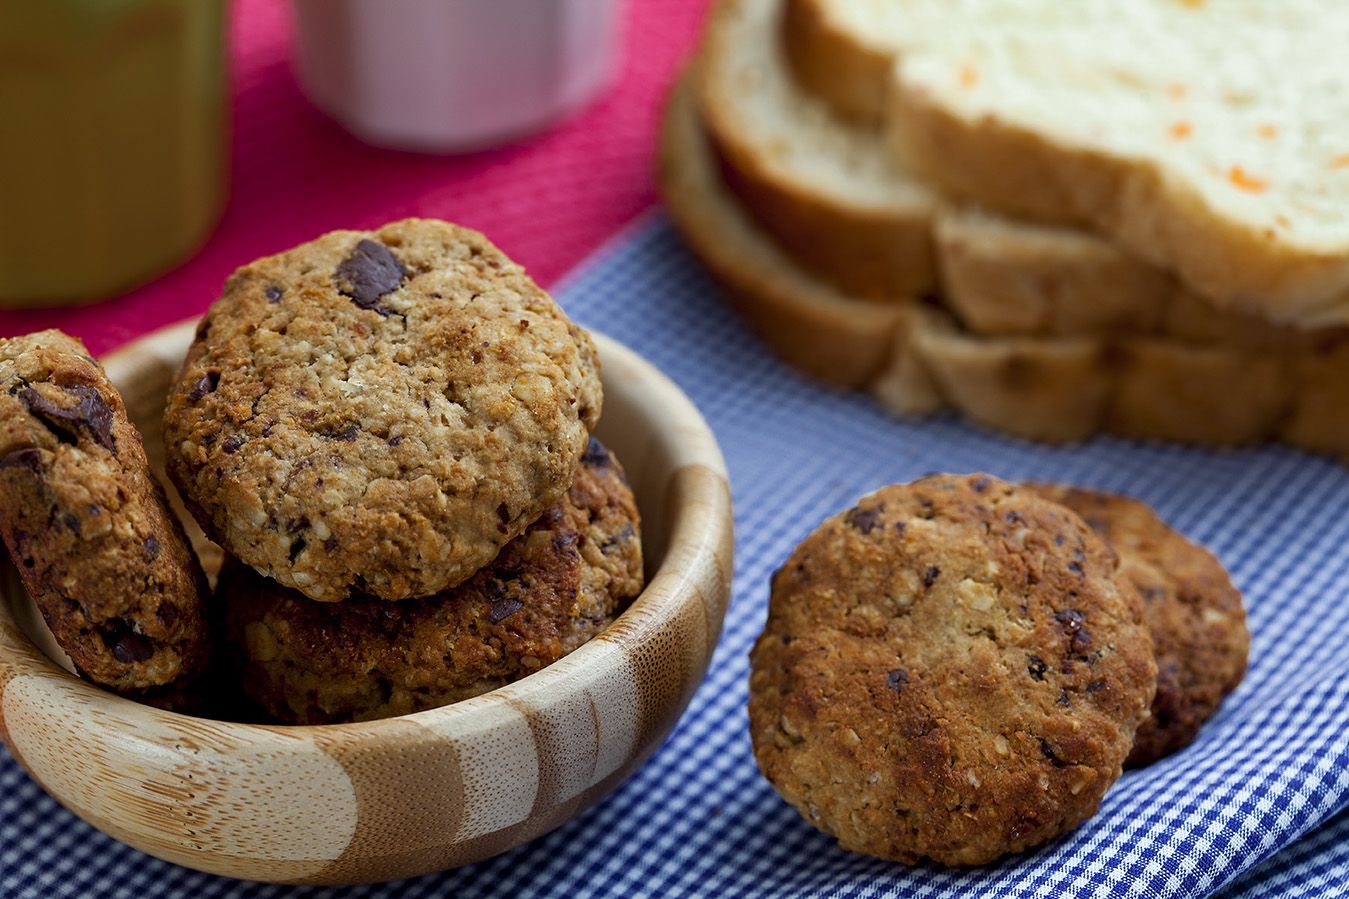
(167, 613)
(565, 542)
(371, 272)
(596, 456)
(90, 414)
(1037, 667)
(1096, 686)
(231, 444)
(1048, 752)
(330, 545)
(1013, 517)
(394, 441)
(28, 457)
(501, 609)
(208, 383)
(128, 647)
(930, 576)
(71, 520)
(132, 648)
(863, 520)
(296, 547)
(551, 518)
(346, 435)
(273, 294)
(1072, 623)
(896, 679)
(1070, 620)
(1064, 699)
(1022, 825)
(980, 484)
(622, 535)
(1076, 568)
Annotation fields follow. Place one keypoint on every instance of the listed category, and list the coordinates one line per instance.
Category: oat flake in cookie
(379, 413)
(1194, 613)
(550, 590)
(87, 526)
(951, 670)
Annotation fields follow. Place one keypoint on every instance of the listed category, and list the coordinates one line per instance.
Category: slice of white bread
(831, 194)
(915, 358)
(1206, 137)
(811, 324)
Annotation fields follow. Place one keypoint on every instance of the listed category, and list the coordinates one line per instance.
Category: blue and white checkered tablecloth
(1256, 807)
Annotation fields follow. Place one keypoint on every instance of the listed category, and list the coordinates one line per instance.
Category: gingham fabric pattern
(1255, 807)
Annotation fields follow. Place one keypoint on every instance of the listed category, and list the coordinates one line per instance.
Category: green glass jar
(112, 143)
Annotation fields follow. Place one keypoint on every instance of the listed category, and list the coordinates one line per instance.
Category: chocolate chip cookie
(1198, 624)
(87, 526)
(380, 412)
(550, 590)
(951, 670)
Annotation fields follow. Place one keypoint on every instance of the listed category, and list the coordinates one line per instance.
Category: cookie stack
(389, 434)
(959, 668)
(970, 206)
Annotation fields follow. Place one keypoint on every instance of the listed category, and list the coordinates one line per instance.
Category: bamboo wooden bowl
(402, 796)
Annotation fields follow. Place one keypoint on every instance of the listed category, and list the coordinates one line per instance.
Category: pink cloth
(546, 201)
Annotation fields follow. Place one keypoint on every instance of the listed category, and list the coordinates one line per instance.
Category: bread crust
(832, 64)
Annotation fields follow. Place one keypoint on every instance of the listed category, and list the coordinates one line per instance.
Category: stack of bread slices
(1057, 218)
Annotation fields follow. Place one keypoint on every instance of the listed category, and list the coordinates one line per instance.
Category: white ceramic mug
(453, 75)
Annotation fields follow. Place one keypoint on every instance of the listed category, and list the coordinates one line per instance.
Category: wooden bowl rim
(698, 526)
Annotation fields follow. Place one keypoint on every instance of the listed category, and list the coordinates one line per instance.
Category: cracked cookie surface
(550, 590)
(379, 412)
(951, 670)
(87, 526)
(1194, 612)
